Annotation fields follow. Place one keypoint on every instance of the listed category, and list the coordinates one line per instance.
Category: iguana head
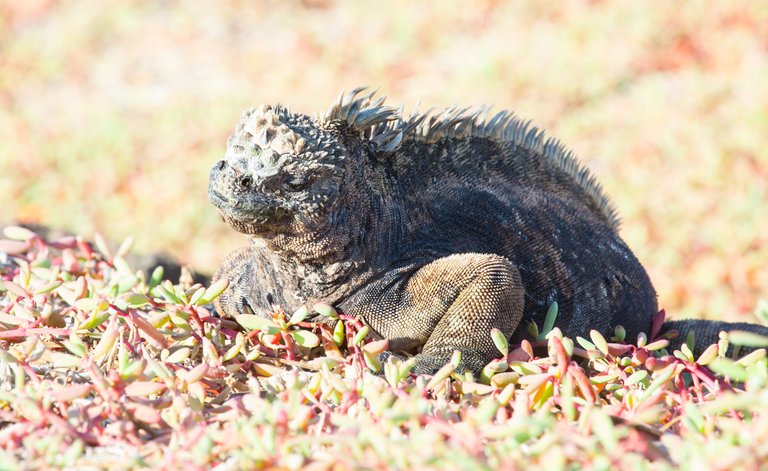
(279, 169)
(284, 170)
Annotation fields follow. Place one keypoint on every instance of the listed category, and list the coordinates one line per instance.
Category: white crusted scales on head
(270, 132)
(385, 126)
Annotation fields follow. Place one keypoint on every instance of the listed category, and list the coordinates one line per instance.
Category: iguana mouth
(251, 217)
(240, 208)
(217, 198)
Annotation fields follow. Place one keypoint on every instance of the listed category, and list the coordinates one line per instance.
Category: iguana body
(432, 229)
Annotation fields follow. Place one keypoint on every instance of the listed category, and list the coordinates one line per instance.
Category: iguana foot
(470, 361)
(465, 295)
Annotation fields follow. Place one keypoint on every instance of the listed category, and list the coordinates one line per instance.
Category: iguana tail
(707, 332)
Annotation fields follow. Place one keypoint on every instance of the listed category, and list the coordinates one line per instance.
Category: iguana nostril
(245, 182)
(221, 164)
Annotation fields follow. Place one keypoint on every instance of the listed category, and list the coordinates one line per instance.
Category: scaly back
(386, 128)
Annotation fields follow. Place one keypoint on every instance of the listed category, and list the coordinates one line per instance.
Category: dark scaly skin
(707, 332)
(432, 240)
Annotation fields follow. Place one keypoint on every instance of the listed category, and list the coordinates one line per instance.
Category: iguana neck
(325, 257)
(322, 245)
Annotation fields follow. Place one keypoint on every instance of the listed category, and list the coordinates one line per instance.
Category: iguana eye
(245, 182)
(297, 183)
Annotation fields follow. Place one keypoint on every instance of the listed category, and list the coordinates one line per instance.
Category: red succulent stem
(84, 248)
(290, 344)
(355, 321)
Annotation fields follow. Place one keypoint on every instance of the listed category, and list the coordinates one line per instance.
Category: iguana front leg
(449, 304)
(236, 299)
(253, 286)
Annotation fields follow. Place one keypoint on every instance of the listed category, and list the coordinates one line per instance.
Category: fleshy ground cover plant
(108, 367)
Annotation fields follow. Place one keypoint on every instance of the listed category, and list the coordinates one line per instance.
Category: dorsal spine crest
(385, 127)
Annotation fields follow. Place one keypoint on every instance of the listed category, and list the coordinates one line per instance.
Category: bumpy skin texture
(431, 229)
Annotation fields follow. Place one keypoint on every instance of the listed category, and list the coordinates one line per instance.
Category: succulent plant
(101, 364)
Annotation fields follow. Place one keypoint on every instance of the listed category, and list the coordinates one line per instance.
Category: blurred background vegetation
(112, 112)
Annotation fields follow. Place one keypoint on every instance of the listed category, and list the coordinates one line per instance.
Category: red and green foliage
(103, 366)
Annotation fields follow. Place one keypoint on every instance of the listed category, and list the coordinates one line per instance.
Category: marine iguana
(432, 228)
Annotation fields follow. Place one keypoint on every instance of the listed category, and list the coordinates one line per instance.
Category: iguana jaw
(246, 213)
(250, 212)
